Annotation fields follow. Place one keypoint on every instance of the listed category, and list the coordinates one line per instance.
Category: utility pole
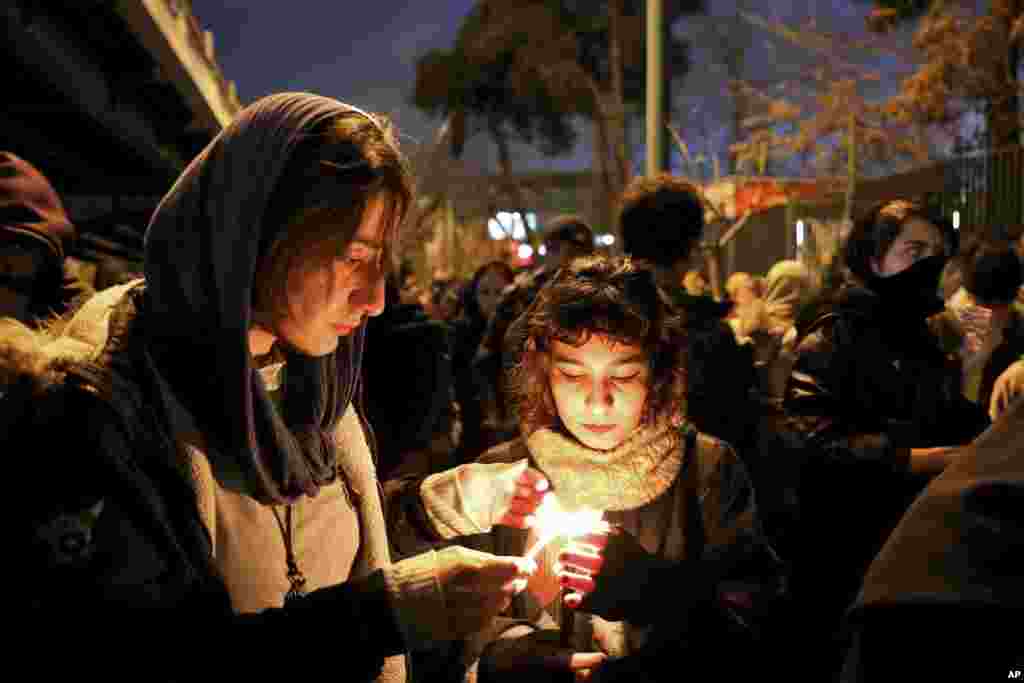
(655, 79)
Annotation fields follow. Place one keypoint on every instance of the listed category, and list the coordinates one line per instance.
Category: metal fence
(986, 192)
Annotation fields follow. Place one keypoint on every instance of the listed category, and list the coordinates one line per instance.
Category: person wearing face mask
(35, 237)
(201, 475)
(877, 407)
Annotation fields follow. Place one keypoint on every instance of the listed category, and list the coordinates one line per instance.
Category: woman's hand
(471, 588)
(1008, 388)
(502, 494)
(976, 322)
(471, 499)
(608, 575)
(523, 654)
(479, 586)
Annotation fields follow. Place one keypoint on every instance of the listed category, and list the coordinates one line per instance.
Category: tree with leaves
(573, 57)
(969, 58)
(834, 110)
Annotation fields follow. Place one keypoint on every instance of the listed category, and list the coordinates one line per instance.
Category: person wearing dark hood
(877, 407)
(35, 237)
(943, 599)
(204, 484)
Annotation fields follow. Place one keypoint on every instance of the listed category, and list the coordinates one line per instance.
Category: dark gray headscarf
(202, 249)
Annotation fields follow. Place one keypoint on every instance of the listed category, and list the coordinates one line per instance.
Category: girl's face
(331, 302)
(918, 240)
(600, 389)
(488, 291)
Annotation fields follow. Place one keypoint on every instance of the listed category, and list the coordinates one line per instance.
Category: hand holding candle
(611, 575)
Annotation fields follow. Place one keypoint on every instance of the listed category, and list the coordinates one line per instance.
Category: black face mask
(912, 294)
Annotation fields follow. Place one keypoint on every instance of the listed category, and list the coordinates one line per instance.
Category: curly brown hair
(615, 297)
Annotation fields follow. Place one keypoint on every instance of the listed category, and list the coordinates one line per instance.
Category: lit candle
(551, 520)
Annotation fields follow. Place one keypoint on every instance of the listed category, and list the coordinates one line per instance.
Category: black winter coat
(866, 388)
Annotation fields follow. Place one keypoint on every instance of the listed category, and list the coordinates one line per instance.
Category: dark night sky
(364, 52)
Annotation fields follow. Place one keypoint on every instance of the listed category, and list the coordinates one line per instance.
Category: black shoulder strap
(695, 535)
(816, 324)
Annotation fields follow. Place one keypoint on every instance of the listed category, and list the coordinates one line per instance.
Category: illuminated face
(330, 302)
(918, 240)
(489, 289)
(600, 389)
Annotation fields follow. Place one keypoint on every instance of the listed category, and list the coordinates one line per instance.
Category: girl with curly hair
(600, 390)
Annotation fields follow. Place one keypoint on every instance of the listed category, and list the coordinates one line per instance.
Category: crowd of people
(275, 455)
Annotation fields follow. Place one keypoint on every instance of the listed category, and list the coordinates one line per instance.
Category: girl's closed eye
(570, 375)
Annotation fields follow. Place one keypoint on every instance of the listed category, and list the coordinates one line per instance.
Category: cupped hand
(607, 573)
(505, 494)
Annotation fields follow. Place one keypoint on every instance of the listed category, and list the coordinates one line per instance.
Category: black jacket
(866, 387)
(941, 598)
(720, 374)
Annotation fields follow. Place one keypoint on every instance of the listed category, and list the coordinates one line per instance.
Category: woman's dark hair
(470, 302)
(614, 297)
(573, 231)
(875, 231)
(991, 271)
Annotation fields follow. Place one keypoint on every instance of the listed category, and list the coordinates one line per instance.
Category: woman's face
(330, 302)
(600, 389)
(488, 291)
(918, 240)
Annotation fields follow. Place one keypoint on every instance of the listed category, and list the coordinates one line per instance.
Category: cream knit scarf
(629, 476)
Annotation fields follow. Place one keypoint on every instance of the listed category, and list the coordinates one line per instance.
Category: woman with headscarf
(206, 483)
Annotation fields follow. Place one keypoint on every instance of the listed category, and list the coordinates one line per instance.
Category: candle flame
(551, 520)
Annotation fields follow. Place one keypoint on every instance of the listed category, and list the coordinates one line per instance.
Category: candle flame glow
(552, 520)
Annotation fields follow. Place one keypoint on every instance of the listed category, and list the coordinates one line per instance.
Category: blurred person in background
(565, 238)
(991, 330)
(661, 221)
(940, 599)
(36, 236)
(480, 300)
